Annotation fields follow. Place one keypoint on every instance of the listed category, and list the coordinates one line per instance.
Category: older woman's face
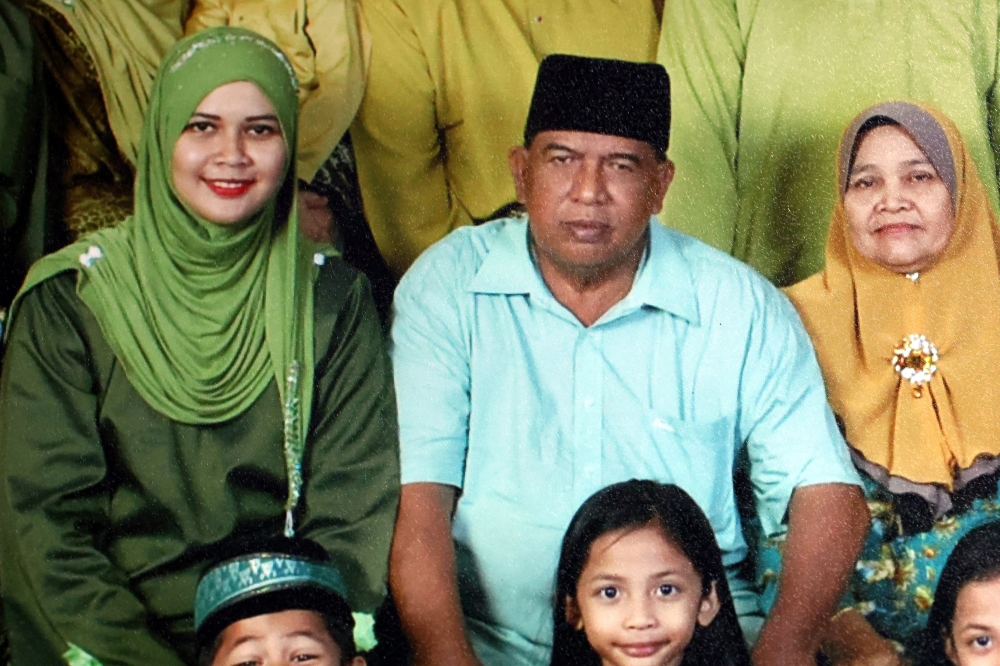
(230, 159)
(899, 211)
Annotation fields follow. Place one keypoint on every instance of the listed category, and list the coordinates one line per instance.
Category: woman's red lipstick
(229, 189)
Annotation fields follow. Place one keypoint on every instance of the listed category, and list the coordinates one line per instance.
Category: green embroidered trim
(294, 446)
(364, 632)
(76, 656)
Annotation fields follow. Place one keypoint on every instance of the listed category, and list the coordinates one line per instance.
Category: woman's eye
(982, 641)
(922, 176)
(262, 130)
(862, 184)
(609, 592)
(667, 589)
(199, 126)
(304, 658)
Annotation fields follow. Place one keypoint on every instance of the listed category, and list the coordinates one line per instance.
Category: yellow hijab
(858, 313)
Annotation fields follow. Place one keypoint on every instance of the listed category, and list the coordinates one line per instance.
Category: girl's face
(230, 159)
(639, 599)
(975, 628)
(899, 211)
(288, 638)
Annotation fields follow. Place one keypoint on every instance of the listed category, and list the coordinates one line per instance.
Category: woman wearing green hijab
(194, 375)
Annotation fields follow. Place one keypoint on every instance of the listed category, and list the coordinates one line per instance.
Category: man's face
(589, 197)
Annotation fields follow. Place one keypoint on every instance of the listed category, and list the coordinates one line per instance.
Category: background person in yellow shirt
(448, 93)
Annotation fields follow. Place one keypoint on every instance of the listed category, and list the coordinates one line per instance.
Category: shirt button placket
(588, 415)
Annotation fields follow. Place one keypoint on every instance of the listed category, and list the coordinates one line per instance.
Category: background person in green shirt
(193, 375)
(763, 88)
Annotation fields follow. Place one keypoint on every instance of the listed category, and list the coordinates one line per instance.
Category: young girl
(641, 580)
(964, 624)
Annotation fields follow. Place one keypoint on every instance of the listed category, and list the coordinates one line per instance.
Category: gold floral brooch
(915, 359)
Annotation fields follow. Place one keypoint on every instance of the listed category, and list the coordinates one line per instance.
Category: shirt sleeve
(398, 144)
(431, 368)
(352, 472)
(791, 434)
(702, 48)
(61, 593)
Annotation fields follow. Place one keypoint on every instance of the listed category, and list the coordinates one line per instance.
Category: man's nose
(590, 186)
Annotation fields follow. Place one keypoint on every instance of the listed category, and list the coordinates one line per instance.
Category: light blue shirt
(504, 394)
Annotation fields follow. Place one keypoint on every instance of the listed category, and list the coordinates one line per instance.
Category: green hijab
(201, 316)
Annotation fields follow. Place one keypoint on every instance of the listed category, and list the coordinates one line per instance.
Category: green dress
(763, 89)
(110, 511)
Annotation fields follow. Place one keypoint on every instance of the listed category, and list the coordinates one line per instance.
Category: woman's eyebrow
(199, 114)
(254, 119)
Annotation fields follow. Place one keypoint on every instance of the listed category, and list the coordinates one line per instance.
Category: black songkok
(602, 96)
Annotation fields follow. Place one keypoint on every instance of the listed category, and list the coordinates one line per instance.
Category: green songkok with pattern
(203, 316)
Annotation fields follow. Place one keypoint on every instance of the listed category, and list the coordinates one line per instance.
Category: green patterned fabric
(77, 656)
(243, 577)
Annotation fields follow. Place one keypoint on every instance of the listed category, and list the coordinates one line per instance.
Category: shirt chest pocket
(697, 456)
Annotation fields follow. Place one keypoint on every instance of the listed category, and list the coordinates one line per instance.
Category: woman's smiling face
(899, 211)
(231, 157)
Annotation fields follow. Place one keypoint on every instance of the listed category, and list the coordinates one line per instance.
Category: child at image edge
(641, 580)
(281, 604)
(963, 628)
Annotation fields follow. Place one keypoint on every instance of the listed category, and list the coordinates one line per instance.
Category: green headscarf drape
(202, 316)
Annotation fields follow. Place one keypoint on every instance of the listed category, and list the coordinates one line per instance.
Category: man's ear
(358, 661)
(574, 617)
(661, 183)
(517, 157)
(708, 608)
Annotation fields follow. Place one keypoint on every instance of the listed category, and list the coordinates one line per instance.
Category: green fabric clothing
(25, 233)
(763, 89)
(126, 40)
(179, 298)
(110, 511)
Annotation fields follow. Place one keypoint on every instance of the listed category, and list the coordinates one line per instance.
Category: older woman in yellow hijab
(905, 318)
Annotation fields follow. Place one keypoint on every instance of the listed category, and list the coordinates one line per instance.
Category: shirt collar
(663, 282)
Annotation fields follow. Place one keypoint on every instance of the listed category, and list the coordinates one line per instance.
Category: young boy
(282, 605)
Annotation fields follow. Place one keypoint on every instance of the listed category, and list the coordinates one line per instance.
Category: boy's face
(292, 637)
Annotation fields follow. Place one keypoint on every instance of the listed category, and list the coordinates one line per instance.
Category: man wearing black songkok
(538, 360)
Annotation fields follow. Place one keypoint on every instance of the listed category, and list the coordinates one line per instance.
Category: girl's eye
(982, 641)
(609, 592)
(304, 658)
(667, 589)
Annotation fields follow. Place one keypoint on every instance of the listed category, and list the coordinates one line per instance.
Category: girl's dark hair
(976, 559)
(331, 607)
(632, 505)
